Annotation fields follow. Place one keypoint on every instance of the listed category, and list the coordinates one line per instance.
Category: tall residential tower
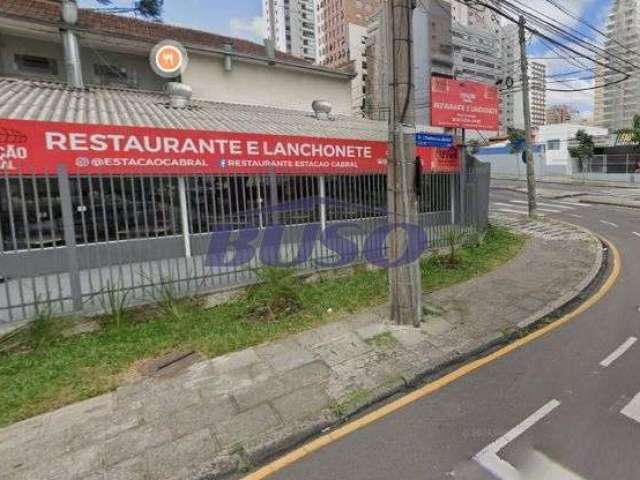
(293, 24)
(616, 104)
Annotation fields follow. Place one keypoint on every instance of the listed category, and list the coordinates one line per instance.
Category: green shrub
(275, 294)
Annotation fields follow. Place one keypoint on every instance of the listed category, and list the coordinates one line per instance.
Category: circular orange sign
(169, 59)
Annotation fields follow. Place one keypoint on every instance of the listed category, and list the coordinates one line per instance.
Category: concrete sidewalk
(227, 414)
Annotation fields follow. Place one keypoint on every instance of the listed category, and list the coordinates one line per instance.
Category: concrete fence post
(70, 238)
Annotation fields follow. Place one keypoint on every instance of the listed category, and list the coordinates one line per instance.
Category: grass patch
(47, 370)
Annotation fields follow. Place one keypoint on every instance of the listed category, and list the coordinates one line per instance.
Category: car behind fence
(70, 243)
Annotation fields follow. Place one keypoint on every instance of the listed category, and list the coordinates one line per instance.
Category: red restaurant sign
(464, 104)
(445, 160)
(31, 147)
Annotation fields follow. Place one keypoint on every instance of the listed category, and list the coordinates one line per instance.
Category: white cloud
(253, 29)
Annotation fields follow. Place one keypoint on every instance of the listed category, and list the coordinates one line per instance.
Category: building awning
(105, 130)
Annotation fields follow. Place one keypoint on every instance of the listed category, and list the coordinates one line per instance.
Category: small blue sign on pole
(437, 140)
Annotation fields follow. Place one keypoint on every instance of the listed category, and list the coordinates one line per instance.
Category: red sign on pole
(464, 104)
(444, 160)
(31, 147)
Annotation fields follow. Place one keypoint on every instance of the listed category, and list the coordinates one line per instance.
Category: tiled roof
(48, 12)
(56, 102)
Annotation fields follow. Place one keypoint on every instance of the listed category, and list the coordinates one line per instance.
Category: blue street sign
(437, 140)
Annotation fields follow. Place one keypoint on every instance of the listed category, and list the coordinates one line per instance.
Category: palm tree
(151, 9)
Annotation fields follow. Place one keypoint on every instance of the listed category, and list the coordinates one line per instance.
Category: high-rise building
(562, 114)
(512, 114)
(476, 53)
(293, 25)
(432, 54)
(475, 16)
(342, 36)
(616, 105)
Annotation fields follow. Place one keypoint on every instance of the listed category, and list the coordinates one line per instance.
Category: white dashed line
(488, 456)
(611, 224)
(636, 234)
(618, 352)
(632, 410)
(574, 215)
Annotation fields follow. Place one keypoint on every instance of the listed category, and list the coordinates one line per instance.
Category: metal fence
(67, 242)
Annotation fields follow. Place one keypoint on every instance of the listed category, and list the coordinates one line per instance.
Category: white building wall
(357, 38)
(556, 137)
(260, 84)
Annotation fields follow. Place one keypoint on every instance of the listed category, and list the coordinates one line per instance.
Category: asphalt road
(561, 407)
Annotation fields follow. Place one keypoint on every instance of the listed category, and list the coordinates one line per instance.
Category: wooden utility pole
(404, 279)
(526, 108)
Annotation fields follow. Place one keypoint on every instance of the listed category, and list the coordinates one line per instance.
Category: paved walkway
(228, 413)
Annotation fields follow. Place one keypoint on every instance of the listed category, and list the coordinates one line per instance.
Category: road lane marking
(632, 410)
(574, 215)
(549, 210)
(636, 234)
(438, 384)
(611, 224)
(618, 352)
(510, 210)
(552, 205)
(574, 204)
(488, 456)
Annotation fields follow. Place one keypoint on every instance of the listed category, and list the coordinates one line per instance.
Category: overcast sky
(243, 18)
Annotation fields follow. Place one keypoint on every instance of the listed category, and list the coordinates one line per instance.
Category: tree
(151, 9)
(584, 150)
(635, 131)
(516, 140)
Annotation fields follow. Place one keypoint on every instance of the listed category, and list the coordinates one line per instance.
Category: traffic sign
(437, 140)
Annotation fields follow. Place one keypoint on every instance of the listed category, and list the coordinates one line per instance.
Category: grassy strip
(56, 371)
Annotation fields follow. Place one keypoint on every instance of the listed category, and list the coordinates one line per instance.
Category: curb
(580, 183)
(610, 203)
(313, 434)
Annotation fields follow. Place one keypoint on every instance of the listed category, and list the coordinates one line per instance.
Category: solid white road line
(574, 204)
(632, 410)
(508, 210)
(614, 225)
(488, 457)
(552, 205)
(550, 210)
(618, 352)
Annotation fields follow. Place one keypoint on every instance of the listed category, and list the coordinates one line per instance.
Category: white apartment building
(293, 25)
(475, 16)
(512, 114)
(476, 54)
(616, 105)
(432, 54)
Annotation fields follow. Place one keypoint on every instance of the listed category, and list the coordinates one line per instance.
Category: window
(34, 65)
(111, 75)
(553, 144)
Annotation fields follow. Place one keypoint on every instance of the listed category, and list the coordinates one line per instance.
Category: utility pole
(526, 108)
(405, 286)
